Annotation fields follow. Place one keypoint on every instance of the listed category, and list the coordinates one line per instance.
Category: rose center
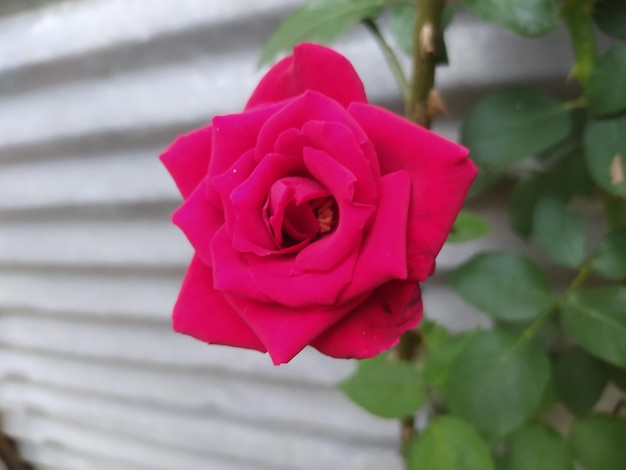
(325, 211)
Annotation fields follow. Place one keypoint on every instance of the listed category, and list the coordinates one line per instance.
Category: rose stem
(428, 15)
(427, 25)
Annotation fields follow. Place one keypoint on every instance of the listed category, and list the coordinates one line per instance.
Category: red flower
(313, 215)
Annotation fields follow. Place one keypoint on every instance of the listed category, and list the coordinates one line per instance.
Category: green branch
(420, 107)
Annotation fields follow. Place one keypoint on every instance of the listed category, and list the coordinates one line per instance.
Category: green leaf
(610, 16)
(606, 90)
(569, 177)
(448, 443)
(386, 389)
(605, 151)
(434, 335)
(560, 232)
(617, 375)
(596, 319)
(539, 447)
(609, 260)
(579, 379)
(599, 442)
(320, 21)
(468, 226)
(525, 17)
(522, 202)
(401, 22)
(497, 382)
(497, 130)
(484, 181)
(547, 336)
(548, 399)
(506, 286)
(439, 361)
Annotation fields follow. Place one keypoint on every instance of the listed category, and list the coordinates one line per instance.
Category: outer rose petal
(311, 67)
(234, 134)
(202, 312)
(284, 332)
(376, 325)
(199, 219)
(441, 175)
(187, 159)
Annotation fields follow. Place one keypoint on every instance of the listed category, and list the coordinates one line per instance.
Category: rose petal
(230, 269)
(280, 279)
(250, 231)
(327, 252)
(441, 175)
(338, 140)
(224, 184)
(382, 255)
(310, 106)
(376, 324)
(289, 210)
(235, 134)
(187, 159)
(202, 312)
(199, 219)
(283, 331)
(311, 67)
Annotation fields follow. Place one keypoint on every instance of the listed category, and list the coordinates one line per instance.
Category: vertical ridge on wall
(91, 376)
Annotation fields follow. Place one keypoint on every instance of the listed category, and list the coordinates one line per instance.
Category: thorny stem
(390, 57)
(407, 350)
(8, 456)
(427, 29)
(418, 104)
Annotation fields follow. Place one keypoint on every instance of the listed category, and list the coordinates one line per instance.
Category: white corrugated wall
(91, 377)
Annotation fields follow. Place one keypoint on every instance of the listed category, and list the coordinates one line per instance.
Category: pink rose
(313, 215)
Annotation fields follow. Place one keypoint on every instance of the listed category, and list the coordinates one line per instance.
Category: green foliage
(610, 16)
(448, 443)
(539, 447)
(579, 379)
(386, 389)
(485, 180)
(401, 22)
(560, 232)
(617, 375)
(506, 286)
(605, 149)
(439, 360)
(599, 442)
(497, 129)
(468, 226)
(609, 260)
(525, 17)
(596, 319)
(522, 202)
(606, 90)
(320, 21)
(497, 382)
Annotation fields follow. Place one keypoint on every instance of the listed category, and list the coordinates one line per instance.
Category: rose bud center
(325, 211)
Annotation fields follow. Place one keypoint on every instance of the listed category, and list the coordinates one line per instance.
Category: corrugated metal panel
(91, 377)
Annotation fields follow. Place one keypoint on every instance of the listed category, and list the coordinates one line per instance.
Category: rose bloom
(313, 215)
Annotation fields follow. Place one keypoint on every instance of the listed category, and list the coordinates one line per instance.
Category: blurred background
(91, 375)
